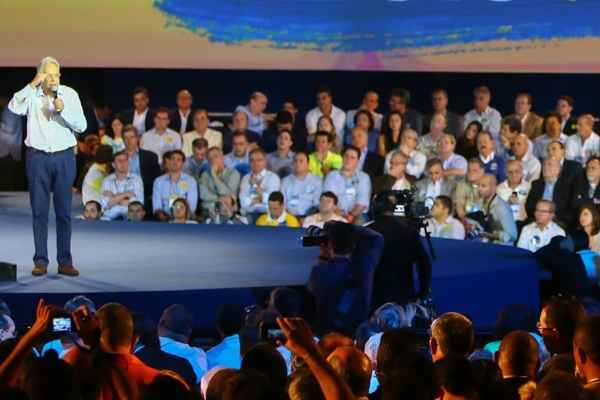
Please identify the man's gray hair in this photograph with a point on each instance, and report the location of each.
(47, 60)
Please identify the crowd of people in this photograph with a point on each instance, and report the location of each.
(271, 352)
(519, 179)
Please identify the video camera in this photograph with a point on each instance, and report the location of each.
(314, 237)
(399, 203)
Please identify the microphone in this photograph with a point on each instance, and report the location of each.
(54, 91)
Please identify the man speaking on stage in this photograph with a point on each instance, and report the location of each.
(54, 116)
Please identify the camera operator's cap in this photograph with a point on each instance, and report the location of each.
(176, 318)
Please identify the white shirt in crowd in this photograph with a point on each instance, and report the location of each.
(213, 137)
(139, 121)
(268, 181)
(540, 145)
(319, 220)
(194, 355)
(505, 192)
(159, 144)
(416, 163)
(490, 119)
(449, 229)
(337, 115)
(532, 168)
(533, 237)
(578, 151)
(48, 130)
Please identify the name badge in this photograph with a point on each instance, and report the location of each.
(350, 191)
(183, 185)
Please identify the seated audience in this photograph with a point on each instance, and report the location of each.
(428, 144)
(488, 117)
(396, 178)
(499, 225)
(229, 322)
(172, 185)
(586, 143)
(181, 212)
(141, 117)
(120, 188)
(521, 151)
(587, 189)
(276, 214)
(518, 359)
(514, 189)
(289, 119)
(254, 110)
(257, 186)
(586, 352)
(452, 335)
(589, 222)
(455, 165)
(239, 123)
(136, 212)
(416, 159)
(161, 139)
(509, 129)
(325, 124)
(552, 186)
(281, 160)
(325, 107)
(181, 118)
(86, 151)
(539, 233)
(442, 224)
(201, 130)
(439, 101)
(568, 121)
(492, 162)
(239, 158)
(553, 134)
(174, 330)
(351, 186)
(196, 163)
(390, 135)
(328, 211)
(466, 144)
(301, 189)
(371, 163)
(92, 210)
(370, 103)
(355, 367)
(323, 159)
(364, 120)
(219, 186)
(434, 184)
(142, 163)
(114, 135)
(531, 122)
(399, 102)
(467, 199)
(91, 188)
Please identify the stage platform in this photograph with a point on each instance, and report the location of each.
(150, 265)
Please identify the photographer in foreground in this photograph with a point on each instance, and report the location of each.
(342, 280)
(403, 250)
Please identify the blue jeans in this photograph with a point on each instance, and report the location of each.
(51, 172)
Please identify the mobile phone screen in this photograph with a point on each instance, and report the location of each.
(61, 324)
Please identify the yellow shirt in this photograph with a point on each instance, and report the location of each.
(332, 161)
(285, 220)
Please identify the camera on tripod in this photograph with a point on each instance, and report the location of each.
(399, 203)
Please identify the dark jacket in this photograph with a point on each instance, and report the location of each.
(150, 170)
(149, 123)
(373, 165)
(175, 121)
(582, 193)
(385, 182)
(454, 123)
(561, 197)
(570, 126)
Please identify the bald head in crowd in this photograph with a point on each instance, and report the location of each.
(518, 355)
(354, 367)
(487, 186)
(452, 334)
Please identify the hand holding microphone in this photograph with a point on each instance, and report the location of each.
(59, 105)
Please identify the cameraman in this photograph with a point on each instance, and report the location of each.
(342, 280)
(403, 249)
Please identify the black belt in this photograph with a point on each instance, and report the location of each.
(34, 150)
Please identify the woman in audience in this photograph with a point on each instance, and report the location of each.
(91, 189)
(364, 119)
(325, 123)
(467, 143)
(114, 135)
(408, 146)
(181, 212)
(589, 222)
(390, 136)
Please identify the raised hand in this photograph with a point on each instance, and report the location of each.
(299, 337)
(38, 79)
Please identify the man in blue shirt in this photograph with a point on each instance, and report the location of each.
(239, 156)
(196, 164)
(256, 186)
(342, 281)
(257, 120)
(54, 116)
(492, 162)
(230, 320)
(173, 185)
(351, 186)
(302, 189)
